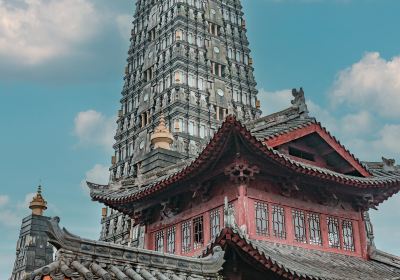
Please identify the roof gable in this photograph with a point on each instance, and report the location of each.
(315, 140)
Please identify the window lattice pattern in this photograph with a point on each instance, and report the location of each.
(333, 232)
(262, 223)
(186, 237)
(215, 223)
(171, 240)
(198, 230)
(278, 221)
(347, 231)
(299, 225)
(314, 227)
(159, 241)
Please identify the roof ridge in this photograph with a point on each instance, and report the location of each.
(63, 239)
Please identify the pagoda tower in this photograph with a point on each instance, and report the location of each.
(188, 67)
(33, 250)
(190, 62)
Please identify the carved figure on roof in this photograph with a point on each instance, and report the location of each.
(388, 164)
(299, 101)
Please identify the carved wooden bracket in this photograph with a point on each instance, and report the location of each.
(240, 171)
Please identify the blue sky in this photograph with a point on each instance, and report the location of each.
(61, 67)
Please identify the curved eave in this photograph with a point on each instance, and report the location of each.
(231, 125)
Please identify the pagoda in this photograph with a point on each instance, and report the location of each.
(204, 187)
(33, 250)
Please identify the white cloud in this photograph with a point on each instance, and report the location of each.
(4, 199)
(93, 128)
(124, 23)
(23, 205)
(372, 84)
(99, 174)
(273, 101)
(33, 31)
(9, 218)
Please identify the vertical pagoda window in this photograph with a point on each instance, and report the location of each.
(214, 223)
(278, 221)
(159, 241)
(314, 227)
(333, 232)
(198, 232)
(347, 230)
(186, 236)
(171, 240)
(299, 224)
(262, 223)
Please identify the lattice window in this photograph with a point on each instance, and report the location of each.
(348, 239)
(186, 236)
(171, 240)
(333, 232)
(198, 232)
(262, 222)
(159, 241)
(278, 221)
(299, 224)
(215, 226)
(314, 228)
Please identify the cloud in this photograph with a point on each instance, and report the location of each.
(4, 199)
(369, 125)
(99, 174)
(34, 31)
(372, 84)
(9, 218)
(273, 101)
(124, 22)
(93, 128)
(57, 42)
(23, 205)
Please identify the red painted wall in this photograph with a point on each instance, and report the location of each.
(243, 198)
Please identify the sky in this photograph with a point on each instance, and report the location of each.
(61, 69)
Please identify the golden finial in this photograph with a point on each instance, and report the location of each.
(161, 137)
(38, 204)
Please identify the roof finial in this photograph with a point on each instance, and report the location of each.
(388, 164)
(161, 137)
(299, 101)
(38, 204)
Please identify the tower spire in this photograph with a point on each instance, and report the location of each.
(195, 71)
(38, 205)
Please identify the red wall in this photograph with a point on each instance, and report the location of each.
(243, 198)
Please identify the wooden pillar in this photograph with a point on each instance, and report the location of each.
(242, 206)
(206, 228)
(178, 239)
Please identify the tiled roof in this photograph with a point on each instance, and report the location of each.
(304, 263)
(279, 123)
(113, 196)
(81, 259)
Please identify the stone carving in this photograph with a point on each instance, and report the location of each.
(168, 209)
(299, 101)
(370, 230)
(388, 164)
(229, 215)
